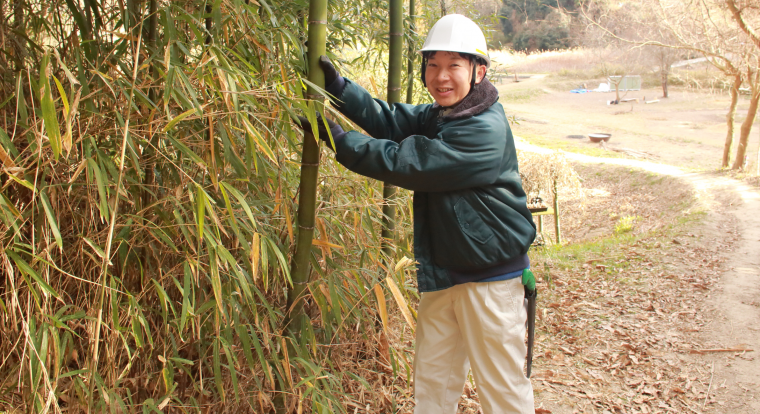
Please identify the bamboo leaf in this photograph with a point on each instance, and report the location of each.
(177, 119)
(163, 300)
(217, 368)
(62, 93)
(231, 368)
(5, 157)
(160, 234)
(96, 248)
(29, 271)
(280, 258)
(381, 307)
(200, 209)
(259, 140)
(187, 151)
(23, 182)
(239, 196)
(323, 243)
(286, 363)
(103, 205)
(255, 256)
(216, 281)
(186, 296)
(401, 302)
(243, 334)
(65, 68)
(230, 211)
(51, 219)
(48, 107)
(288, 222)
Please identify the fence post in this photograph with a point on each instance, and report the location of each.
(556, 213)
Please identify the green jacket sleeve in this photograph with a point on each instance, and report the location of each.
(382, 121)
(465, 153)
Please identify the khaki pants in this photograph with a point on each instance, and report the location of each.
(475, 324)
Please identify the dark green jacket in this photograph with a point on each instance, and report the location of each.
(470, 212)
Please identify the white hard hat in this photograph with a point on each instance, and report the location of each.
(457, 33)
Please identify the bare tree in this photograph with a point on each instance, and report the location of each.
(709, 28)
(746, 14)
(611, 26)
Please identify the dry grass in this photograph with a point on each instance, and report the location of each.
(615, 195)
(540, 172)
(546, 62)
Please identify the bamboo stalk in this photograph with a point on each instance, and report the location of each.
(18, 20)
(396, 9)
(410, 56)
(145, 195)
(307, 199)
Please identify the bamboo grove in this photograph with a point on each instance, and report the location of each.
(148, 214)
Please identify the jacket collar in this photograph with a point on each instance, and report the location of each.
(480, 98)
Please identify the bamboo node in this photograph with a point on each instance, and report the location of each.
(309, 164)
(317, 21)
(395, 88)
(306, 227)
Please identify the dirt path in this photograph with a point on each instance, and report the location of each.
(731, 309)
(737, 301)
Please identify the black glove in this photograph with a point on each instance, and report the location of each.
(337, 132)
(331, 74)
(334, 83)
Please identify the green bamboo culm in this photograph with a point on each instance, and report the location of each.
(410, 55)
(396, 39)
(307, 199)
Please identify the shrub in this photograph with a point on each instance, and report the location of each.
(625, 224)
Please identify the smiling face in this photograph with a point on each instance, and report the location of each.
(448, 77)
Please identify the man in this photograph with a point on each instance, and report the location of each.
(472, 227)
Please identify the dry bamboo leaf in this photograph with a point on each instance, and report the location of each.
(255, 256)
(286, 363)
(381, 307)
(404, 262)
(401, 302)
(6, 159)
(326, 293)
(212, 153)
(288, 222)
(326, 244)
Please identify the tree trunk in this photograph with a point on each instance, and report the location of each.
(396, 11)
(307, 199)
(730, 120)
(664, 72)
(757, 161)
(741, 150)
(411, 54)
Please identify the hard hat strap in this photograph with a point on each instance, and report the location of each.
(474, 75)
(422, 71)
